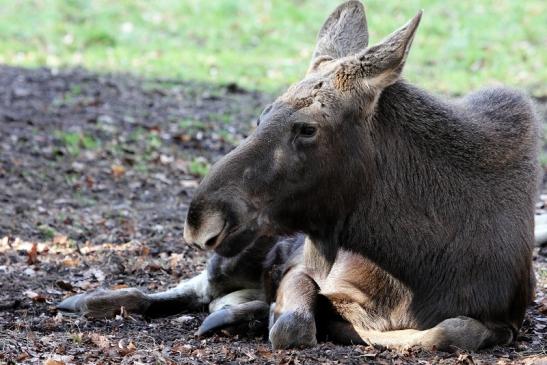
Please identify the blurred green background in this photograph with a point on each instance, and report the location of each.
(266, 45)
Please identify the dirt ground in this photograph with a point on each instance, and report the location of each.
(96, 172)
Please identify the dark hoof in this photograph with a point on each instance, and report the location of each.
(249, 318)
(75, 303)
(293, 330)
(216, 321)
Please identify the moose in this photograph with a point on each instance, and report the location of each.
(410, 218)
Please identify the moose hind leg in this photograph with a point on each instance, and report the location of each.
(466, 333)
(106, 303)
(454, 333)
(192, 294)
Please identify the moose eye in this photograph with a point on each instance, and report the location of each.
(308, 130)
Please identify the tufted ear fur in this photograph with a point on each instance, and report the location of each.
(380, 65)
(343, 33)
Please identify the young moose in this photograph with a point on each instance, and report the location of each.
(418, 213)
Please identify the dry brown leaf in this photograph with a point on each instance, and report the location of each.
(40, 298)
(89, 182)
(22, 356)
(71, 262)
(60, 239)
(119, 286)
(123, 312)
(118, 170)
(126, 348)
(53, 362)
(153, 266)
(183, 137)
(32, 255)
(145, 251)
(542, 308)
(264, 351)
(182, 348)
(100, 340)
(465, 359)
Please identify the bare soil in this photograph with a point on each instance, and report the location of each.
(96, 172)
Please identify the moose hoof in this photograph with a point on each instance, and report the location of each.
(292, 330)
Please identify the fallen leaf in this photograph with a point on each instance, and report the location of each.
(264, 351)
(183, 319)
(58, 319)
(100, 340)
(145, 251)
(118, 170)
(60, 239)
(89, 182)
(542, 308)
(22, 356)
(32, 255)
(465, 359)
(71, 262)
(184, 138)
(181, 348)
(126, 347)
(119, 286)
(98, 274)
(154, 266)
(53, 362)
(123, 312)
(40, 298)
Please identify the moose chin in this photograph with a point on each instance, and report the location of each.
(411, 216)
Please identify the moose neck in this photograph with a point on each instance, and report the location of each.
(399, 222)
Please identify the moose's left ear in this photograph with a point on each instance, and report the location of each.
(382, 64)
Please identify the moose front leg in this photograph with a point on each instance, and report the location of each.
(292, 316)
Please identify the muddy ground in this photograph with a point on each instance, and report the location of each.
(96, 172)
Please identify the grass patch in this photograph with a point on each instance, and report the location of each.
(199, 166)
(46, 231)
(74, 142)
(267, 45)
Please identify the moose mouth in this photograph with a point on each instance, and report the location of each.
(232, 240)
(216, 233)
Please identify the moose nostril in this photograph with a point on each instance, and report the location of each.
(211, 241)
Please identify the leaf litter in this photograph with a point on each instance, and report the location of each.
(95, 188)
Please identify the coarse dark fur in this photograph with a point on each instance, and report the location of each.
(418, 211)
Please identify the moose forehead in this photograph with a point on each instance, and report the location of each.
(316, 87)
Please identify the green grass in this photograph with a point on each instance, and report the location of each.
(74, 142)
(461, 44)
(199, 166)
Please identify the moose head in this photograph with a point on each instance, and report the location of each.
(312, 151)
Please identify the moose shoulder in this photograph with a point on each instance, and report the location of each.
(418, 211)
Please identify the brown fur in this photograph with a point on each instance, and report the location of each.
(418, 211)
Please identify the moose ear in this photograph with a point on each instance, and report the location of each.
(344, 33)
(380, 65)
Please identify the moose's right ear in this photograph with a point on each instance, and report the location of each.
(344, 33)
(380, 65)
